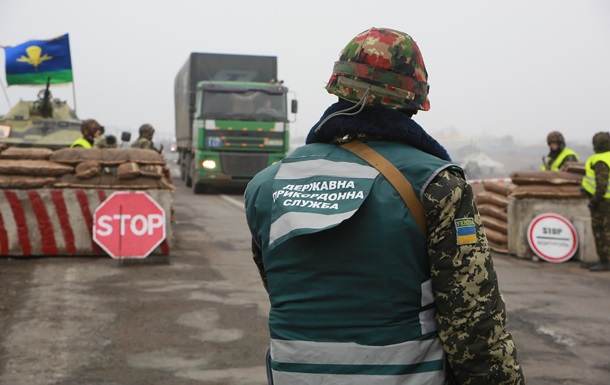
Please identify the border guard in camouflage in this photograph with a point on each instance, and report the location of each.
(146, 132)
(559, 154)
(596, 185)
(359, 293)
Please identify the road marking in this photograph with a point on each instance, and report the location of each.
(234, 202)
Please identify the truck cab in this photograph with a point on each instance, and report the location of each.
(237, 123)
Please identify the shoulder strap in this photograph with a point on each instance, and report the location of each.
(395, 177)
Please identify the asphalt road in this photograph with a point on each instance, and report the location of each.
(199, 315)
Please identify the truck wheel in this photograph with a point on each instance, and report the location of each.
(182, 163)
(199, 188)
(188, 179)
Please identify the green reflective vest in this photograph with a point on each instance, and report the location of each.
(347, 268)
(588, 181)
(559, 160)
(81, 142)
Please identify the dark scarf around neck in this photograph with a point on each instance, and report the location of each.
(376, 121)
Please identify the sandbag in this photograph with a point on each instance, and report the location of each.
(145, 156)
(496, 237)
(495, 224)
(24, 182)
(501, 188)
(152, 171)
(545, 177)
(492, 198)
(493, 211)
(128, 170)
(33, 167)
(87, 169)
(26, 153)
(548, 192)
(104, 181)
(74, 156)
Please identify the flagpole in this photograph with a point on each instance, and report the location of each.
(74, 95)
(6, 95)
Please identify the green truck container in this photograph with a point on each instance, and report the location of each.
(232, 118)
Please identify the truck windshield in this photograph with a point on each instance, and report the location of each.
(250, 105)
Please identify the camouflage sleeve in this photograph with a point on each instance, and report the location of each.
(601, 180)
(568, 159)
(257, 255)
(471, 315)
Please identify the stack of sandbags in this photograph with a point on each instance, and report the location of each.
(547, 184)
(28, 168)
(493, 205)
(133, 168)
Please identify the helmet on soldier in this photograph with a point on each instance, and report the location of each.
(147, 131)
(386, 62)
(89, 127)
(601, 142)
(555, 137)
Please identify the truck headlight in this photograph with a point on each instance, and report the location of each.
(209, 164)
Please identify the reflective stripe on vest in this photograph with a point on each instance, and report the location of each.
(82, 142)
(588, 181)
(307, 362)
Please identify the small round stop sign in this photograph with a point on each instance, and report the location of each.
(129, 225)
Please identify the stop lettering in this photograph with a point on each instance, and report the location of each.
(129, 225)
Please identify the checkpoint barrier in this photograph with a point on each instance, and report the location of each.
(59, 222)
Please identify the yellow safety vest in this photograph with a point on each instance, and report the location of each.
(81, 142)
(588, 181)
(557, 162)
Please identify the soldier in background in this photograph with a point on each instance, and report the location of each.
(145, 139)
(90, 129)
(596, 186)
(361, 291)
(107, 142)
(559, 154)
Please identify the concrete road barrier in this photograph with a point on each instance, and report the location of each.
(59, 222)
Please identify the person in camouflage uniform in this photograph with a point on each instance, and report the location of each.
(596, 186)
(353, 266)
(559, 154)
(145, 139)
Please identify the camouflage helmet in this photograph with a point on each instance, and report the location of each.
(147, 130)
(555, 137)
(386, 61)
(89, 127)
(601, 142)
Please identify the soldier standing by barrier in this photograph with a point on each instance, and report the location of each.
(559, 154)
(90, 129)
(596, 185)
(366, 287)
(145, 140)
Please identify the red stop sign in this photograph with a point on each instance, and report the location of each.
(129, 225)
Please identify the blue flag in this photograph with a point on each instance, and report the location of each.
(35, 61)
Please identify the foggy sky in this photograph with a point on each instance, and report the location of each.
(496, 68)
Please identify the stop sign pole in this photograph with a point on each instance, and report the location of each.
(129, 224)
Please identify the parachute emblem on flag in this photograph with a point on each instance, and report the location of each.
(34, 57)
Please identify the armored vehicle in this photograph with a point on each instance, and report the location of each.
(46, 122)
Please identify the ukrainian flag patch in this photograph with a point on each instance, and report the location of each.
(466, 231)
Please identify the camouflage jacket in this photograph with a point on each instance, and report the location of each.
(470, 311)
(142, 142)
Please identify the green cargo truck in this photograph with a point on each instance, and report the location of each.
(232, 118)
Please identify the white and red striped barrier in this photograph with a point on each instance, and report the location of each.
(46, 222)
(495, 180)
